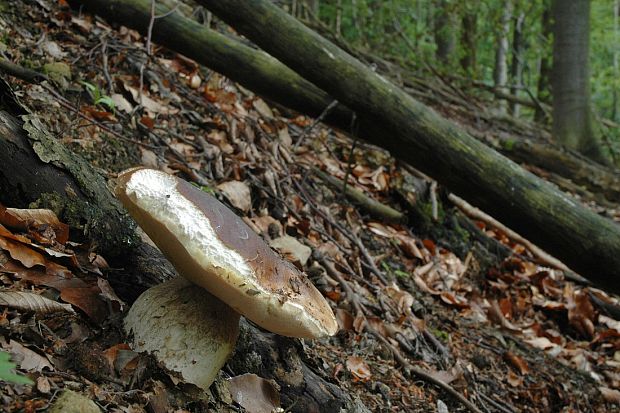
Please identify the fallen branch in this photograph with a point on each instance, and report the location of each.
(373, 207)
(542, 257)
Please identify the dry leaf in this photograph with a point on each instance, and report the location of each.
(517, 362)
(238, 194)
(358, 368)
(254, 393)
(610, 395)
(19, 252)
(292, 249)
(32, 302)
(262, 108)
(25, 358)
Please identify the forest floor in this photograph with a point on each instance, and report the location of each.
(511, 334)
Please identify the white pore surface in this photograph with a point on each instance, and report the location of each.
(155, 192)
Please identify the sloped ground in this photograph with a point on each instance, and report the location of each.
(515, 337)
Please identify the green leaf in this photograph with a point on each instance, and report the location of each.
(5, 370)
(106, 101)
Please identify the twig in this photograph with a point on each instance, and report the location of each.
(541, 255)
(375, 208)
(20, 72)
(315, 122)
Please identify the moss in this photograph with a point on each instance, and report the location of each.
(444, 336)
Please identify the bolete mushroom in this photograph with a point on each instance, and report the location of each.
(190, 331)
(212, 247)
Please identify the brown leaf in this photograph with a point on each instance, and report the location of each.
(518, 363)
(345, 319)
(403, 299)
(292, 250)
(610, 395)
(27, 218)
(514, 379)
(254, 393)
(88, 300)
(496, 316)
(581, 314)
(27, 256)
(358, 368)
(32, 302)
(238, 193)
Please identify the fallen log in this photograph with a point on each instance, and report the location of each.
(469, 168)
(266, 76)
(585, 241)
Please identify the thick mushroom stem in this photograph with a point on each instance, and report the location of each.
(188, 330)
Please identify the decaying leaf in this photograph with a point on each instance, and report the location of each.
(358, 368)
(32, 302)
(254, 393)
(237, 193)
(292, 249)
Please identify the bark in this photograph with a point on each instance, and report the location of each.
(79, 192)
(500, 70)
(572, 118)
(36, 169)
(445, 36)
(585, 241)
(469, 24)
(543, 88)
(516, 65)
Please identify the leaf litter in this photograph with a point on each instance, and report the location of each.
(519, 335)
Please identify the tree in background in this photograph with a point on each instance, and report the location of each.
(445, 33)
(500, 71)
(518, 49)
(505, 44)
(543, 88)
(572, 117)
(469, 33)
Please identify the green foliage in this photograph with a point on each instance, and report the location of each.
(206, 189)
(443, 336)
(6, 373)
(98, 96)
(405, 30)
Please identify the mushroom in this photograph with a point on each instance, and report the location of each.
(213, 248)
(189, 330)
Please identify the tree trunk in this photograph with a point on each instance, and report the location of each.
(391, 118)
(516, 66)
(572, 118)
(445, 36)
(469, 24)
(34, 167)
(543, 88)
(500, 71)
(614, 104)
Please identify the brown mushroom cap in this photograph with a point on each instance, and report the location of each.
(212, 247)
